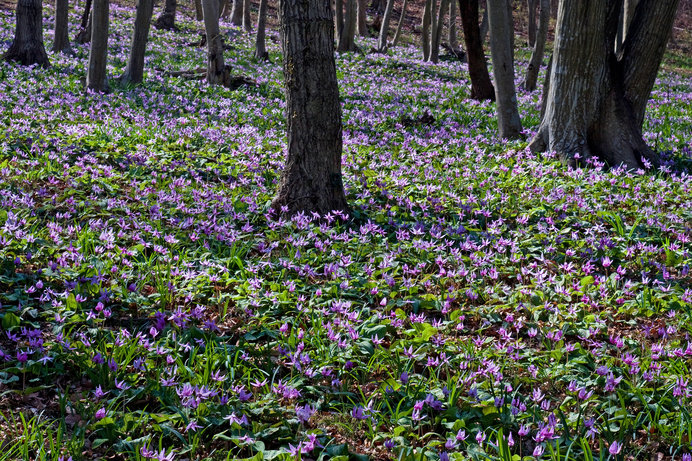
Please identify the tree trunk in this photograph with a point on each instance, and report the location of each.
(437, 32)
(311, 180)
(338, 19)
(596, 101)
(97, 78)
(508, 120)
(247, 16)
(538, 48)
(481, 86)
(260, 47)
(452, 29)
(61, 39)
(27, 46)
(348, 34)
(399, 26)
(484, 26)
(384, 28)
(425, 27)
(215, 64)
(199, 12)
(363, 18)
(134, 72)
(166, 19)
(84, 34)
(237, 13)
(628, 8)
(532, 4)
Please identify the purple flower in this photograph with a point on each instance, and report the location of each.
(614, 448)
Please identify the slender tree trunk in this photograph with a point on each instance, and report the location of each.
(452, 29)
(484, 26)
(166, 19)
(399, 26)
(134, 72)
(199, 12)
(338, 19)
(247, 15)
(85, 15)
(260, 48)
(311, 180)
(215, 64)
(437, 32)
(237, 13)
(425, 27)
(97, 77)
(84, 34)
(532, 4)
(384, 28)
(363, 18)
(508, 120)
(27, 46)
(538, 48)
(596, 101)
(347, 38)
(61, 40)
(481, 86)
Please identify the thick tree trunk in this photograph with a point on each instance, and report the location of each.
(452, 29)
(61, 39)
(425, 27)
(97, 78)
(166, 19)
(215, 64)
(508, 120)
(538, 48)
(247, 16)
(199, 12)
(481, 86)
(384, 28)
(134, 72)
(348, 33)
(27, 46)
(532, 4)
(260, 47)
(399, 26)
(363, 18)
(595, 103)
(311, 180)
(237, 13)
(436, 35)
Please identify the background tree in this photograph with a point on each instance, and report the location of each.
(247, 16)
(27, 46)
(311, 179)
(166, 19)
(97, 78)
(134, 72)
(384, 27)
(61, 39)
(199, 12)
(237, 13)
(532, 5)
(481, 86)
(426, 23)
(595, 101)
(436, 31)
(400, 25)
(501, 28)
(452, 28)
(536, 60)
(348, 33)
(216, 68)
(84, 34)
(260, 46)
(363, 18)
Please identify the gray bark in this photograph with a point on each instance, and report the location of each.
(532, 4)
(27, 46)
(452, 29)
(84, 34)
(425, 26)
(311, 180)
(363, 18)
(61, 39)
(485, 26)
(348, 33)
(260, 47)
(384, 28)
(399, 26)
(436, 34)
(596, 101)
(215, 64)
(166, 19)
(97, 78)
(134, 72)
(247, 16)
(237, 13)
(538, 48)
(338, 19)
(508, 119)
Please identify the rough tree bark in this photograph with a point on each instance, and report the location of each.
(399, 26)
(596, 100)
(481, 86)
(247, 16)
(84, 34)
(311, 180)
(97, 77)
(384, 27)
(27, 46)
(508, 120)
(529, 83)
(215, 64)
(532, 4)
(348, 33)
(260, 46)
(363, 18)
(166, 19)
(61, 39)
(134, 72)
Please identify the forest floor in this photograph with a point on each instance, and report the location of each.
(480, 301)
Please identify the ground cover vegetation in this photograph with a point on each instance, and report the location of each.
(479, 302)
